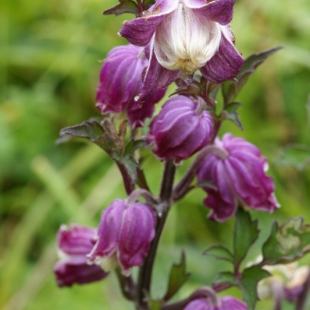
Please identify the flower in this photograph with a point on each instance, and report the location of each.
(187, 35)
(124, 235)
(225, 303)
(74, 243)
(286, 281)
(121, 81)
(237, 170)
(180, 129)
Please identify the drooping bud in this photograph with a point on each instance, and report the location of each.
(180, 129)
(74, 243)
(124, 235)
(121, 81)
(239, 177)
(225, 303)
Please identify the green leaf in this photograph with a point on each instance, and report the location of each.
(129, 164)
(90, 130)
(297, 156)
(134, 145)
(230, 113)
(232, 88)
(225, 277)
(178, 276)
(246, 233)
(125, 6)
(219, 252)
(248, 284)
(155, 304)
(287, 242)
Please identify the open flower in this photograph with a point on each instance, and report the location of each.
(181, 129)
(74, 243)
(121, 81)
(187, 35)
(124, 235)
(237, 170)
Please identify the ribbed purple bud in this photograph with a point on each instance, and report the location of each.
(74, 243)
(226, 303)
(237, 171)
(121, 81)
(124, 235)
(180, 129)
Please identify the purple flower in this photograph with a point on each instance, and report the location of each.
(237, 171)
(74, 243)
(187, 35)
(121, 81)
(180, 129)
(125, 233)
(225, 303)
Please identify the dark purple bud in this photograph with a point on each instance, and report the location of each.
(74, 243)
(121, 81)
(180, 129)
(225, 303)
(239, 176)
(124, 235)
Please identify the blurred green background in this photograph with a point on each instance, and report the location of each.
(50, 57)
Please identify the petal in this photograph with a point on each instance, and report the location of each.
(225, 64)
(231, 303)
(139, 31)
(220, 11)
(156, 78)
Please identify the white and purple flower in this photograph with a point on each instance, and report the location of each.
(186, 35)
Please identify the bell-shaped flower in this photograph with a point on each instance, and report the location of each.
(74, 244)
(186, 35)
(121, 81)
(225, 303)
(237, 170)
(181, 128)
(124, 235)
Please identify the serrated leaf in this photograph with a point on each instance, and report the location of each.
(178, 276)
(225, 277)
(219, 252)
(231, 88)
(248, 284)
(246, 233)
(90, 130)
(287, 242)
(125, 6)
(297, 156)
(230, 113)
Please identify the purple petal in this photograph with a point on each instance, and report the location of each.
(199, 304)
(220, 11)
(157, 78)
(76, 240)
(76, 270)
(231, 303)
(139, 31)
(225, 64)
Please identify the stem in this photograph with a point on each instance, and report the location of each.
(145, 274)
(301, 301)
(183, 186)
(127, 285)
(129, 186)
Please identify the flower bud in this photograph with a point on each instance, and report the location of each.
(239, 177)
(74, 243)
(124, 235)
(180, 129)
(225, 303)
(121, 81)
